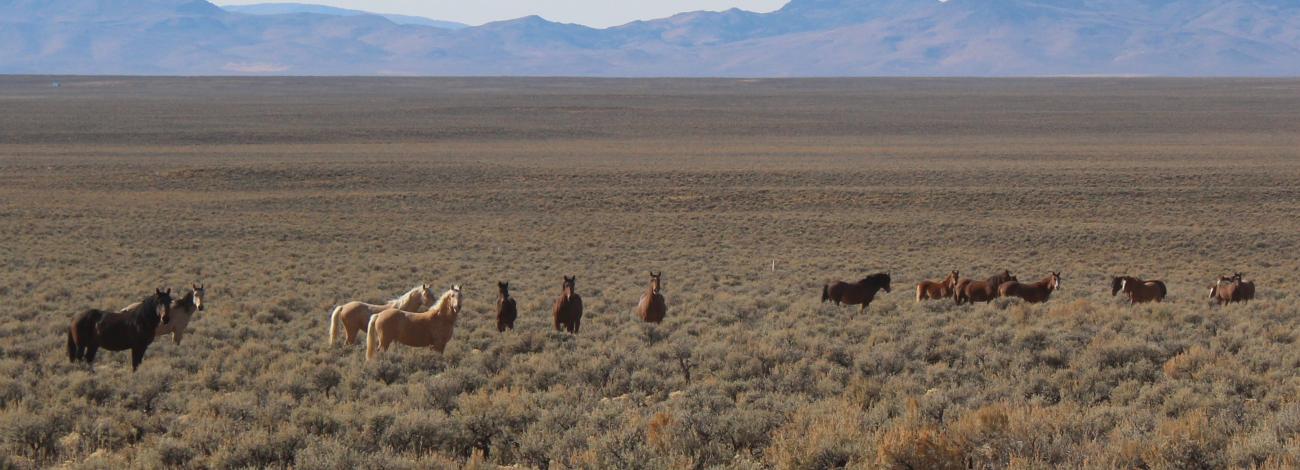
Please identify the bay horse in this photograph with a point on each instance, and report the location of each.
(1037, 292)
(132, 329)
(506, 311)
(652, 308)
(1139, 291)
(981, 291)
(568, 308)
(353, 317)
(938, 290)
(182, 310)
(861, 292)
(431, 328)
(1246, 289)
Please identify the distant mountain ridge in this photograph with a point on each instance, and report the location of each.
(804, 38)
(295, 8)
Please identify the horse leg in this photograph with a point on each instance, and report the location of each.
(176, 337)
(90, 356)
(137, 356)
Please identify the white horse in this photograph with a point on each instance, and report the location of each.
(353, 316)
(430, 328)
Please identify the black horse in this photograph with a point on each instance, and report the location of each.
(133, 329)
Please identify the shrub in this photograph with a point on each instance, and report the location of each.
(825, 434)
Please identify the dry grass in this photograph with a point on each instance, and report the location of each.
(287, 196)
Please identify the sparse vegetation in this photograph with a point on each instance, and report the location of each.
(286, 197)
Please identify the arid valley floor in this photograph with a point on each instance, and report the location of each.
(289, 196)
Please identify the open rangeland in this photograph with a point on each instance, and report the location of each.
(286, 197)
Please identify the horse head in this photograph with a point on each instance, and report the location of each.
(162, 304)
(882, 280)
(1056, 281)
(570, 285)
(1116, 285)
(655, 281)
(199, 292)
(503, 288)
(453, 296)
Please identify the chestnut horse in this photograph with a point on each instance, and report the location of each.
(431, 328)
(1229, 289)
(938, 290)
(568, 308)
(353, 317)
(981, 291)
(506, 311)
(1138, 291)
(132, 329)
(180, 313)
(1037, 292)
(652, 308)
(861, 292)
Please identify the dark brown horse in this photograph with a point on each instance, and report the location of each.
(506, 312)
(568, 308)
(858, 293)
(938, 290)
(981, 291)
(651, 308)
(132, 329)
(1138, 291)
(1037, 292)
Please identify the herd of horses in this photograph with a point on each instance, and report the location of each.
(1226, 290)
(423, 318)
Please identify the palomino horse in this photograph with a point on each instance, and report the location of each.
(353, 316)
(1138, 291)
(1037, 292)
(1229, 289)
(651, 308)
(938, 290)
(506, 311)
(861, 292)
(568, 308)
(981, 291)
(118, 331)
(180, 313)
(431, 328)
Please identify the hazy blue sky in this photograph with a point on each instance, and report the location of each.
(598, 13)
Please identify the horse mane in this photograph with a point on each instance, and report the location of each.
(874, 278)
(439, 308)
(188, 298)
(147, 305)
(404, 298)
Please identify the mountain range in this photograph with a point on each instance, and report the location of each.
(295, 8)
(804, 38)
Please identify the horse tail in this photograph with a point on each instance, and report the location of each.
(334, 322)
(372, 343)
(72, 347)
(1163, 291)
(826, 292)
